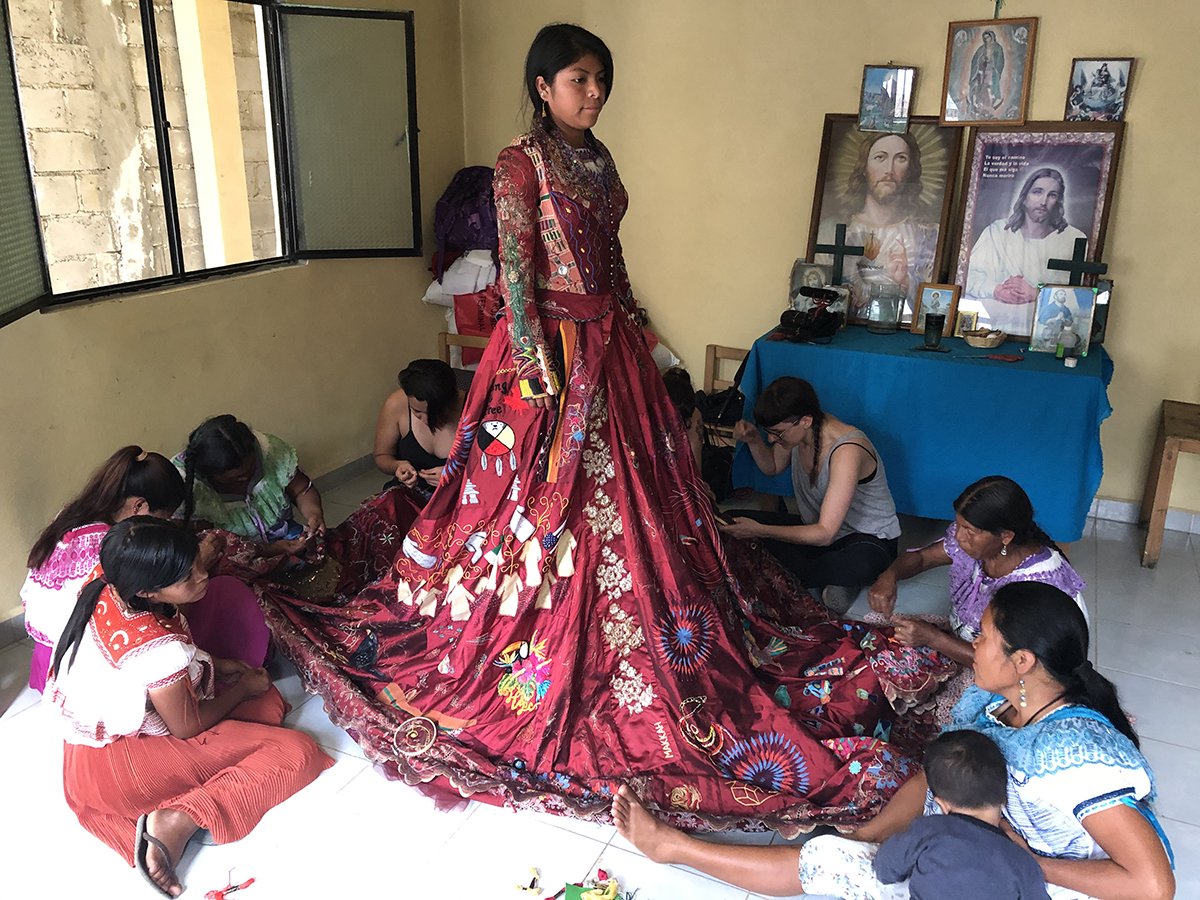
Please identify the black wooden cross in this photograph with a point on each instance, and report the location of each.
(1076, 265)
(839, 249)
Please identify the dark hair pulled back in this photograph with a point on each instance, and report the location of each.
(220, 444)
(554, 48)
(432, 382)
(681, 392)
(138, 555)
(792, 398)
(130, 472)
(995, 504)
(1038, 617)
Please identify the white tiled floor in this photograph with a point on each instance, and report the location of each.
(353, 833)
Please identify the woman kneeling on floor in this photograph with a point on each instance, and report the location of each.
(161, 738)
(847, 530)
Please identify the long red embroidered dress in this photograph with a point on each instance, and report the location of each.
(564, 616)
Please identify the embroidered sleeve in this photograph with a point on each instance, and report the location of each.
(516, 189)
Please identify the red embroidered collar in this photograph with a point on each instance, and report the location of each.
(119, 631)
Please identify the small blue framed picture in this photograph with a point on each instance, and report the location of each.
(886, 97)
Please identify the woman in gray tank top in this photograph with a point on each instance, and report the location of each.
(846, 532)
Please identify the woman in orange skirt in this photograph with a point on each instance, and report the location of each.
(161, 738)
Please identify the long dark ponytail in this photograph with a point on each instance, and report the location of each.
(138, 555)
(792, 398)
(1042, 619)
(130, 472)
(217, 445)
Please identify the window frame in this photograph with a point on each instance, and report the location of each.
(276, 88)
(19, 312)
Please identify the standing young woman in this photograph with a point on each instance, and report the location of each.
(565, 608)
(161, 738)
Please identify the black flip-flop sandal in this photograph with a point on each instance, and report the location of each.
(141, 848)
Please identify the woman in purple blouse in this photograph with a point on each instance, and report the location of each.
(993, 541)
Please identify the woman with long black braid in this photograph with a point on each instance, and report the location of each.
(846, 532)
(163, 739)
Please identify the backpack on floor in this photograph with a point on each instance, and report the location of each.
(465, 215)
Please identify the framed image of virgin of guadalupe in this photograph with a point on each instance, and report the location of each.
(1028, 194)
(892, 192)
(988, 67)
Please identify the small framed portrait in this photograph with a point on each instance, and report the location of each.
(1059, 307)
(988, 66)
(967, 321)
(941, 299)
(805, 275)
(1030, 193)
(885, 98)
(1098, 89)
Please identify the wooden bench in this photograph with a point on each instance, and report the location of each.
(714, 356)
(1178, 432)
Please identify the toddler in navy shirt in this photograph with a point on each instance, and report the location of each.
(963, 853)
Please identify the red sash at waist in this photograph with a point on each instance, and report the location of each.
(572, 306)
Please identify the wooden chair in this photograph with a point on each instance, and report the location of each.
(446, 340)
(1178, 432)
(714, 356)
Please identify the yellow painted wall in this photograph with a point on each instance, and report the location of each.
(307, 352)
(715, 122)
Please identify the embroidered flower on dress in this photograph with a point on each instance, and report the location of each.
(602, 515)
(622, 634)
(612, 578)
(630, 689)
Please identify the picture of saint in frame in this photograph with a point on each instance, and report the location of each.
(1059, 308)
(1031, 193)
(885, 99)
(1098, 89)
(988, 68)
(805, 275)
(892, 192)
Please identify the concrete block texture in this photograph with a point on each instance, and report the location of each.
(46, 64)
(63, 151)
(57, 195)
(68, 236)
(44, 108)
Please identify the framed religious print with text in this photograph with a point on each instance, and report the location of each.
(1029, 193)
(988, 67)
(892, 192)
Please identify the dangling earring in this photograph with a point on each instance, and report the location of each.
(545, 108)
(1024, 700)
(1004, 549)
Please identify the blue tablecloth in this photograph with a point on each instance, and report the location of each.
(942, 420)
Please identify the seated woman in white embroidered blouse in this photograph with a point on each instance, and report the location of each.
(162, 739)
(1080, 793)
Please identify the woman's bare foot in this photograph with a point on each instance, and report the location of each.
(655, 839)
(174, 828)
